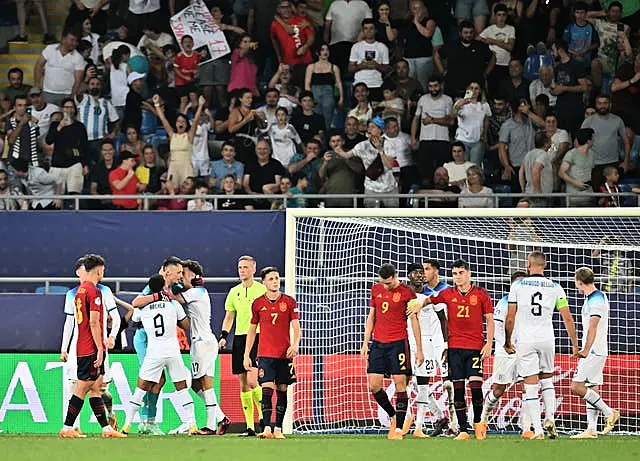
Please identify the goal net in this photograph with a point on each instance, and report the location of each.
(332, 259)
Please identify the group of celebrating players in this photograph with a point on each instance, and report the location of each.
(426, 325)
(175, 297)
(411, 331)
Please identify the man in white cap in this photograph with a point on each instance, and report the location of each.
(135, 102)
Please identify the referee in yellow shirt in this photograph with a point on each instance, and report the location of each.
(238, 308)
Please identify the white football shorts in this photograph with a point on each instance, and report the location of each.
(590, 370)
(152, 368)
(203, 358)
(535, 358)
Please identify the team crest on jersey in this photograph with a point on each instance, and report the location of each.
(454, 300)
(98, 302)
(396, 297)
(81, 290)
(379, 295)
(283, 307)
(473, 300)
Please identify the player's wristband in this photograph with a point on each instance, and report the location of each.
(156, 296)
(224, 334)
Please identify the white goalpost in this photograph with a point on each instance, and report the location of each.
(332, 257)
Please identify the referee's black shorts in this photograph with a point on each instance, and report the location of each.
(237, 354)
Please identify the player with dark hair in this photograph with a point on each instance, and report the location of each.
(275, 313)
(389, 353)
(90, 351)
(467, 308)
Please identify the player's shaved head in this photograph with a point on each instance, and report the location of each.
(517, 275)
(585, 275)
(537, 259)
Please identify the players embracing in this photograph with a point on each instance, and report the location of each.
(389, 353)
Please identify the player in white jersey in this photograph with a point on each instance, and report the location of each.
(204, 346)
(70, 339)
(504, 365)
(593, 355)
(159, 320)
(429, 367)
(532, 301)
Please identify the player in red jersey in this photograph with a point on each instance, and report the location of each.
(389, 353)
(467, 308)
(90, 351)
(276, 313)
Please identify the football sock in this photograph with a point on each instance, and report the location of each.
(73, 410)
(184, 399)
(211, 403)
(256, 393)
(281, 407)
(448, 386)
(108, 401)
(525, 418)
(592, 418)
(134, 404)
(595, 400)
(153, 407)
(383, 400)
(267, 405)
(422, 401)
(490, 402)
(70, 385)
(97, 405)
(548, 392)
(402, 403)
(476, 400)
(144, 413)
(532, 404)
(460, 406)
(247, 408)
(434, 407)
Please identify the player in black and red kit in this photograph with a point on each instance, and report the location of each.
(389, 353)
(90, 350)
(467, 308)
(275, 313)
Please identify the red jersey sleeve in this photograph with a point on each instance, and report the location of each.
(440, 298)
(255, 312)
(487, 304)
(293, 306)
(95, 299)
(373, 296)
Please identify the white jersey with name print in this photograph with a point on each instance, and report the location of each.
(536, 297)
(421, 319)
(198, 306)
(596, 305)
(160, 320)
(109, 303)
(499, 318)
(434, 329)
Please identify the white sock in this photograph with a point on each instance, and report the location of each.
(184, 399)
(548, 391)
(434, 408)
(490, 402)
(453, 418)
(532, 405)
(592, 418)
(211, 402)
(594, 399)
(422, 402)
(134, 405)
(107, 428)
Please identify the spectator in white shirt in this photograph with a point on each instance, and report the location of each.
(369, 60)
(200, 204)
(475, 186)
(473, 114)
(543, 85)
(457, 169)
(341, 28)
(398, 146)
(141, 13)
(59, 69)
(41, 111)
(99, 117)
(501, 38)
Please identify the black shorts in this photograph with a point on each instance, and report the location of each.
(279, 371)
(464, 363)
(184, 90)
(390, 358)
(86, 370)
(237, 353)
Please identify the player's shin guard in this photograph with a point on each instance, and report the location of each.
(97, 405)
(281, 408)
(184, 399)
(256, 393)
(267, 405)
(247, 408)
(548, 392)
(134, 405)
(73, 410)
(108, 401)
(596, 401)
(152, 401)
(402, 404)
(490, 402)
(476, 400)
(532, 405)
(460, 405)
(383, 400)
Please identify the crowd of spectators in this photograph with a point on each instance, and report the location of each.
(456, 97)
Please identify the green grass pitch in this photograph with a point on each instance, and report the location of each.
(14, 447)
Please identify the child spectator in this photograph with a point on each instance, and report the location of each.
(186, 67)
(582, 36)
(610, 187)
(199, 204)
(392, 106)
(284, 138)
(301, 182)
